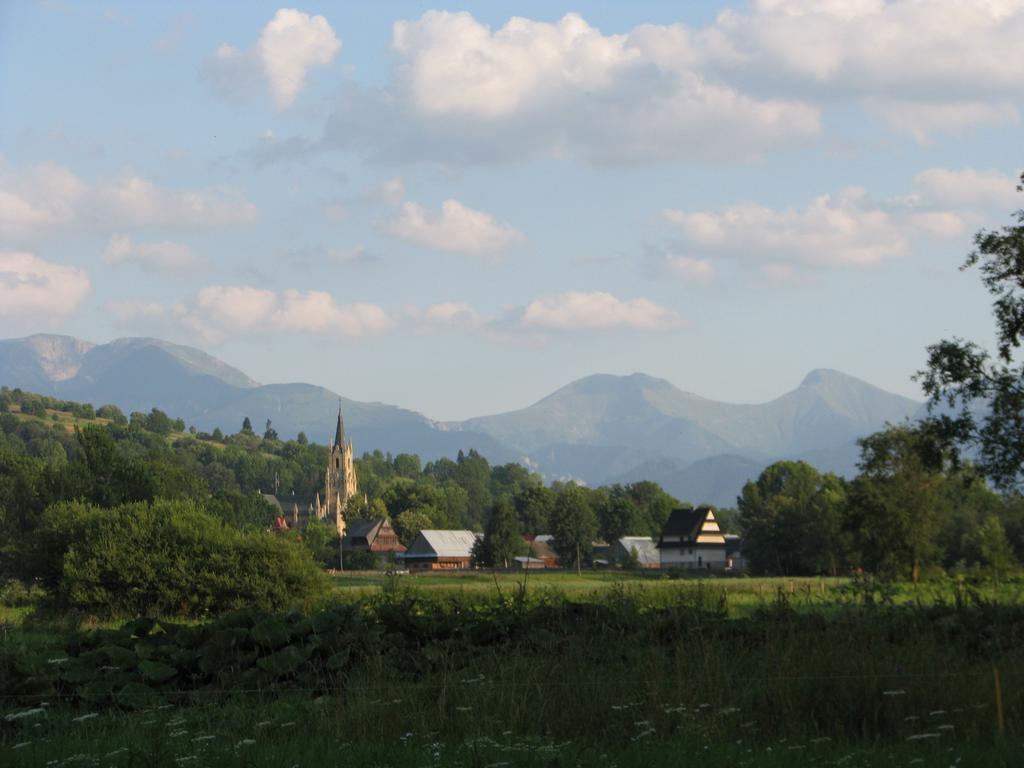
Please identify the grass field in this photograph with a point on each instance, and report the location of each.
(603, 669)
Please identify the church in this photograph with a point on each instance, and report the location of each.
(339, 486)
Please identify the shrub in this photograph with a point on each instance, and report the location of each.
(166, 558)
(361, 560)
(17, 594)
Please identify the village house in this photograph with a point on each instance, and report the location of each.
(692, 539)
(540, 549)
(645, 548)
(440, 550)
(375, 535)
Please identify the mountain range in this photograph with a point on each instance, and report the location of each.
(598, 429)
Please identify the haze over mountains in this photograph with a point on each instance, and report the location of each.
(598, 429)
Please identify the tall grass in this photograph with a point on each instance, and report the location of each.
(628, 671)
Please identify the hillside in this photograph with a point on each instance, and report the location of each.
(598, 429)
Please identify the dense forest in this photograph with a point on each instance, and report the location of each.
(913, 508)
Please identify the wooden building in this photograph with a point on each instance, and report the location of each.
(374, 535)
(440, 550)
(692, 539)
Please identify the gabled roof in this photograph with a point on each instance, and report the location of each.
(646, 548)
(363, 529)
(433, 543)
(285, 502)
(685, 522)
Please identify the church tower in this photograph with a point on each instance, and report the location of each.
(340, 478)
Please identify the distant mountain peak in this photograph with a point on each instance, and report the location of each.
(58, 356)
(828, 376)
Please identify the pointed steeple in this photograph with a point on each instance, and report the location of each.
(339, 432)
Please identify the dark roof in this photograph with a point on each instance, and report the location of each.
(685, 522)
(285, 502)
(361, 529)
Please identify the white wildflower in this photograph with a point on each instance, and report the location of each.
(35, 711)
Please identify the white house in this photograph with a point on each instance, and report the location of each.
(691, 538)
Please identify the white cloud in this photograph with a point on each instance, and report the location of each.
(289, 46)
(925, 65)
(921, 119)
(449, 314)
(577, 310)
(461, 90)
(316, 311)
(50, 197)
(690, 269)
(967, 188)
(33, 287)
(844, 229)
(163, 256)
(455, 228)
(220, 311)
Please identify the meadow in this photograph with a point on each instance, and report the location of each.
(595, 670)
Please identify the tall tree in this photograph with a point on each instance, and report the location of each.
(898, 502)
(976, 400)
(501, 542)
(573, 525)
(792, 520)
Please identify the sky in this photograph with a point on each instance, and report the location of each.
(460, 209)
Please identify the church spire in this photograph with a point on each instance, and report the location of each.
(339, 432)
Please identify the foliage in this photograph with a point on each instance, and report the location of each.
(898, 501)
(501, 542)
(792, 520)
(977, 400)
(573, 525)
(165, 558)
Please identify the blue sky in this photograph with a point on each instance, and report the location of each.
(458, 210)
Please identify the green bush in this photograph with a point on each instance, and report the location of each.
(166, 558)
(18, 594)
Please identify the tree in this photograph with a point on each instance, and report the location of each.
(618, 515)
(246, 426)
(113, 413)
(158, 422)
(533, 506)
(270, 433)
(573, 525)
(897, 503)
(412, 521)
(990, 545)
(301, 439)
(975, 400)
(792, 520)
(501, 542)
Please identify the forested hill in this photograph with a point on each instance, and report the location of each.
(598, 430)
(52, 450)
